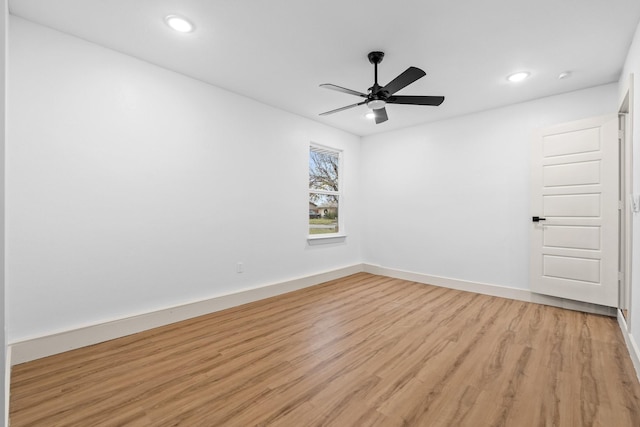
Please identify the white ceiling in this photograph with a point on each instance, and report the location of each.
(279, 51)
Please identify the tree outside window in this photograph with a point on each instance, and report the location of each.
(324, 190)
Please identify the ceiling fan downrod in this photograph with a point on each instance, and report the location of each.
(375, 58)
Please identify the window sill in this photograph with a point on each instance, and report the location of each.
(326, 239)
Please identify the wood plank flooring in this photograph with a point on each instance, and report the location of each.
(361, 351)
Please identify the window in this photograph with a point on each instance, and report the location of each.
(324, 190)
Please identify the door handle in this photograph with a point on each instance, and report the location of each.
(538, 219)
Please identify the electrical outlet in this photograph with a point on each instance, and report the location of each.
(239, 267)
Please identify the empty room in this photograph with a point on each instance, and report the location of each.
(288, 213)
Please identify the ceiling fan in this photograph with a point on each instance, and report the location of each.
(379, 96)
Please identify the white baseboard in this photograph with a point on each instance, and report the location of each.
(493, 290)
(36, 348)
(7, 385)
(632, 346)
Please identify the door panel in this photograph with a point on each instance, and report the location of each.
(571, 205)
(581, 269)
(564, 236)
(572, 142)
(582, 173)
(574, 248)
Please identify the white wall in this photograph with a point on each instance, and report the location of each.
(632, 65)
(131, 188)
(451, 198)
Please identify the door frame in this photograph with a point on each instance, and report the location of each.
(625, 111)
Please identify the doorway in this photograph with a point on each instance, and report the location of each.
(628, 205)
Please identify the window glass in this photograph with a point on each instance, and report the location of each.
(323, 170)
(324, 190)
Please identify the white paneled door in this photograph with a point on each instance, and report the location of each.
(574, 211)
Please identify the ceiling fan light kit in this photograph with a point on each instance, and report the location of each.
(379, 96)
(376, 104)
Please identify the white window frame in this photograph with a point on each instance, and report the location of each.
(340, 235)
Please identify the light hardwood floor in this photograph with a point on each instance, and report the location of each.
(361, 351)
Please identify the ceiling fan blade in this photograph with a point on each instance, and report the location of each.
(343, 108)
(409, 76)
(380, 115)
(343, 89)
(415, 100)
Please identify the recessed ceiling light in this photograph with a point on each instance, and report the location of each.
(179, 23)
(519, 76)
(564, 75)
(370, 115)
